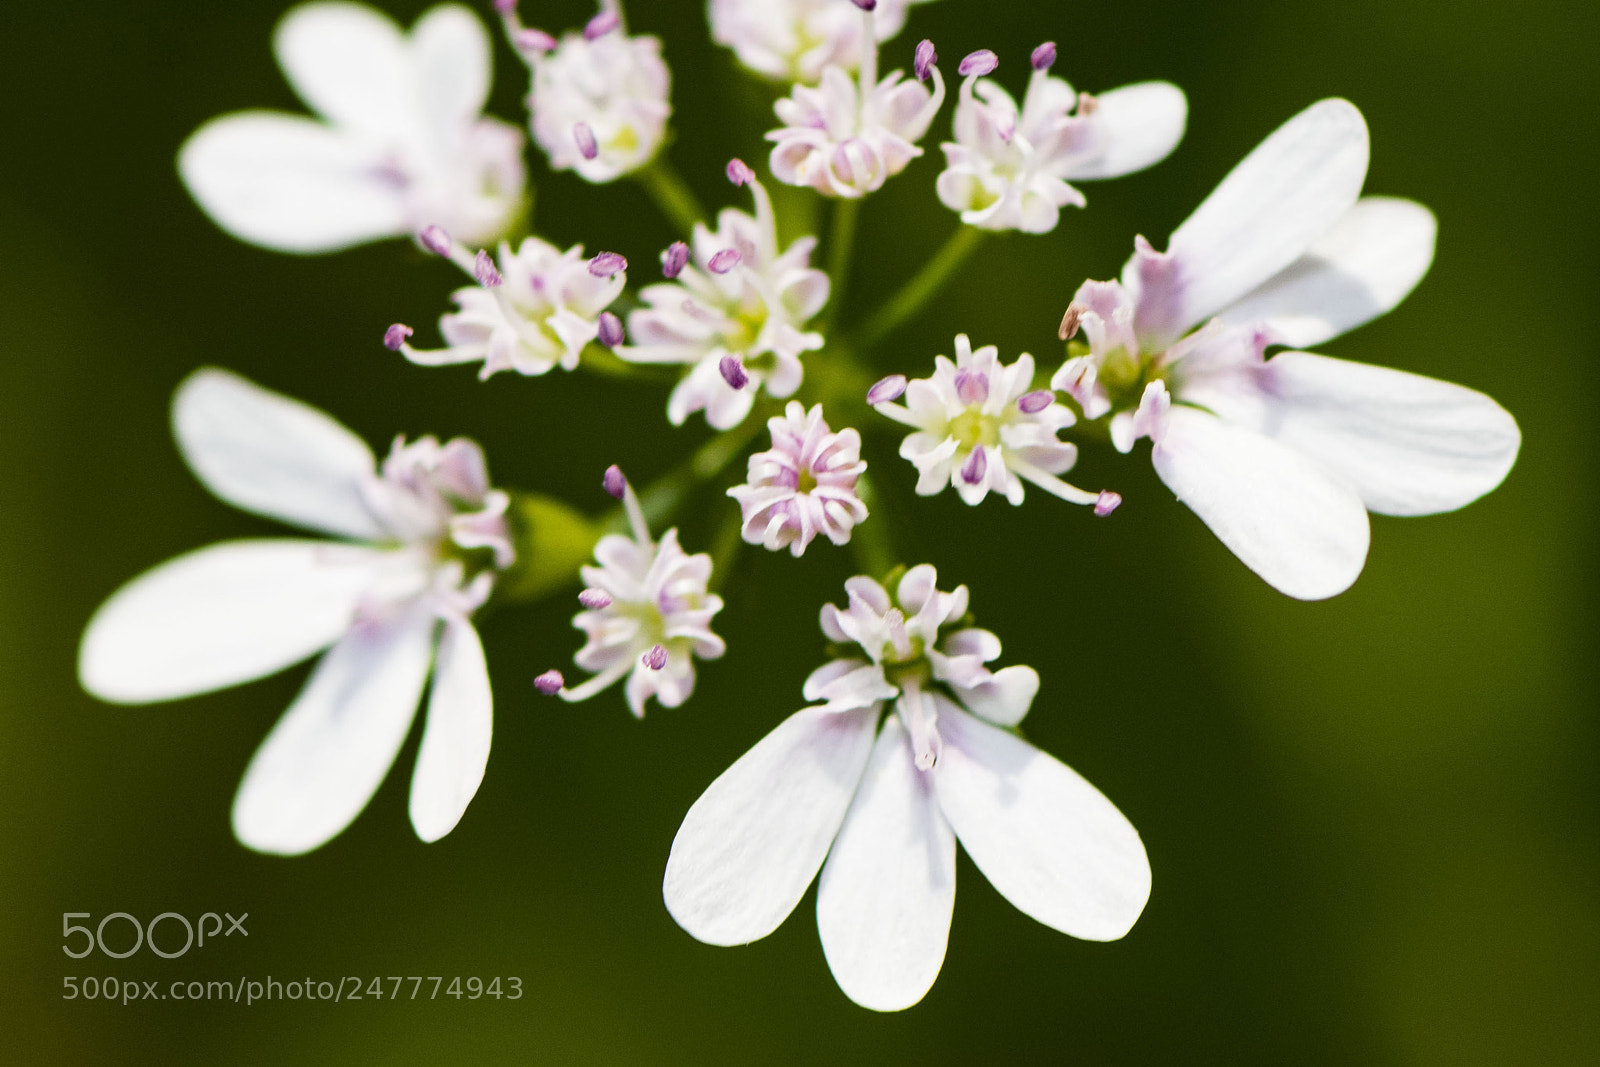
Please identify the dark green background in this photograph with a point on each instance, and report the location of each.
(1372, 822)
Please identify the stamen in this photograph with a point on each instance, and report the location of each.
(483, 269)
(972, 386)
(739, 172)
(1044, 56)
(866, 5)
(614, 481)
(1087, 105)
(886, 389)
(724, 261)
(656, 658)
(584, 136)
(394, 338)
(606, 264)
(1070, 321)
(550, 683)
(895, 619)
(976, 466)
(733, 372)
(925, 58)
(925, 742)
(611, 333)
(1035, 402)
(506, 7)
(535, 41)
(1107, 503)
(601, 25)
(435, 240)
(594, 599)
(674, 259)
(978, 63)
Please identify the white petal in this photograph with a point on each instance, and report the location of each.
(1409, 445)
(350, 63)
(1004, 699)
(291, 184)
(1143, 123)
(455, 741)
(450, 53)
(1360, 269)
(326, 757)
(889, 886)
(1300, 528)
(221, 616)
(1285, 194)
(1045, 838)
(266, 453)
(754, 840)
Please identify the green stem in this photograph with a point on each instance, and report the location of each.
(662, 498)
(922, 287)
(725, 548)
(675, 199)
(841, 243)
(871, 542)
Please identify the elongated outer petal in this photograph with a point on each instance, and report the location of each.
(1409, 445)
(1143, 124)
(349, 63)
(1371, 259)
(291, 184)
(455, 741)
(326, 757)
(1270, 208)
(222, 615)
(263, 452)
(1045, 838)
(889, 887)
(755, 839)
(1298, 526)
(450, 53)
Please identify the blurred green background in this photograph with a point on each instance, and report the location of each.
(1373, 822)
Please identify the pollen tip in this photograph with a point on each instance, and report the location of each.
(583, 135)
(724, 261)
(886, 389)
(611, 332)
(674, 259)
(606, 264)
(549, 683)
(601, 25)
(394, 338)
(435, 239)
(1070, 321)
(733, 372)
(1044, 57)
(978, 63)
(739, 172)
(656, 658)
(594, 599)
(484, 270)
(924, 59)
(615, 482)
(1107, 503)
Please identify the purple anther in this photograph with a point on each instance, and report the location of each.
(614, 482)
(656, 658)
(606, 264)
(1035, 402)
(866, 5)
(435, 240)
(549, 683)
(594, 599)
(1044, 56)
(505, 7)
(584, 136)
(674, 259)
(529, 40)
(976, 466)
(724, 261)
(886, 389)
(394, 338)
(1107, 503)
(978, 63)
(483, 269)
(1070, 321)
(611, 333)
(601, 25)
(924, 60)
(972, 387)
(739, 172)
(733, 372)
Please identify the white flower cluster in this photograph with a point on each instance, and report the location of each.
(907, 747)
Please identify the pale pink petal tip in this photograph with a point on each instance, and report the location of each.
(614, 482)
(1107, 503)
(394, 338)
(549, 683)
(606, 264)
(1035, 402)
(484, 270)
(601, 25)
(924, 60)
(733, 372)
(1044, 56)
(611, 333)
(979, 63)
(887, 389)
(583, 135)
(724, 261)
(594, 599)
(656, 658)
(972, 387)
(435, 240)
